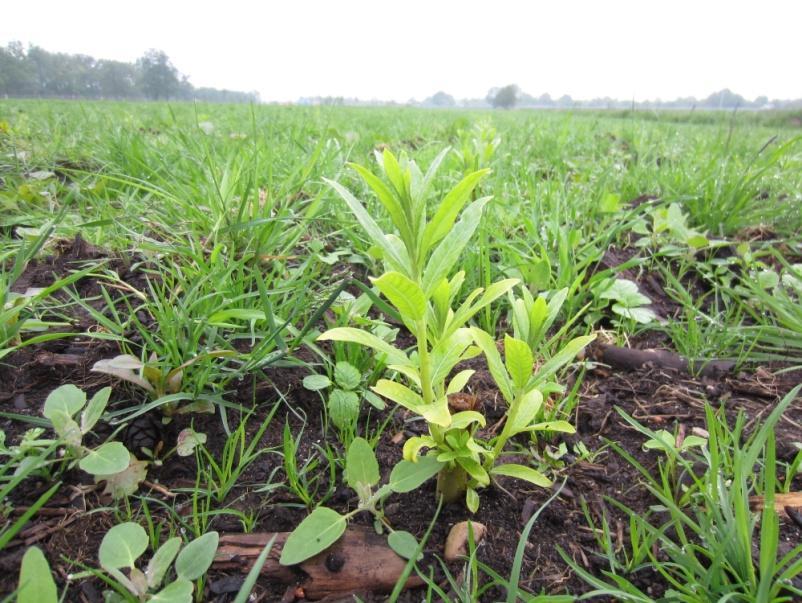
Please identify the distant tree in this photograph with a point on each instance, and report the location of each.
(116, 79)
(724, 99)
(504, 98)
(159, 78)
(17, 74)
(440, 99)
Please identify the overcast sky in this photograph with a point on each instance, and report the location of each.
(406, 49)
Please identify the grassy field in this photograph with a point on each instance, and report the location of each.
(582, 330)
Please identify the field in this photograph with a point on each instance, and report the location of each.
(581, 330)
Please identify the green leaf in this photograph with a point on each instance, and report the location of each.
(36, 584)
(361, 466)
(626, 293)
(522, 472)
(472, 500)
(122, 546)
(65, 400)
(519, 360)
(107, 459)
(494, 364)
(316, 382)
(178, 591)
(639, 315)
(415, 444)
(388, 199)
(561, 358)
(459, 381)
(443, 219)
(195, 558)
(523, 412)
(462, 419)
(492, 293)
(437, 412)
(561, 426)
(161, 560)
(404, 294)
(322, 528)
(448, 251)
(474, 469)
(400, 394)
(374, 400)
(404, 544)
(349, 334)
(343, 408)
(372, 229)
(407, 476)
(347, 375)
(94, 410)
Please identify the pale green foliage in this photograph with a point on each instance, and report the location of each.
(324, 526)
(36, 584)
(125, 543)
(61, 409)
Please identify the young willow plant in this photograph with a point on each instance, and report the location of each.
(417, 282)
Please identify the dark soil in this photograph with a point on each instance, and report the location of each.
(73, 522)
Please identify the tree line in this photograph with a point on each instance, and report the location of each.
(35, 72)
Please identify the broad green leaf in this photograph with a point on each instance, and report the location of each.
(518, 360)
(122, 546)
(407, 475)
(343, 408)
(400, 394)
(346, 375)
(410, 372)
(316, 382)
(65, 400)
(488, 346)
(94, 410)
(161, 560)
(472, 500)
(522, 472)
(462, 419)
(459, 381)
(349, 334)
(195, 558)
(640, 315)
(178, 591)
(404, 294)
(447, 353)
(404, 544)
(413, 446)
(626, 293)
(36, 584)
(524, 411)
(446, 254)
(561, 426)
(67, 429)
(107, 459)
(361, 466)
(474, 470)
(443, 219)
(437, 412)
(374, 400)
(393, 172)
(322, 528)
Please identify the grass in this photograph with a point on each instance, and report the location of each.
(241, 255)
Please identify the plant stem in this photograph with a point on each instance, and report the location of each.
(423, 357)
(452, 482)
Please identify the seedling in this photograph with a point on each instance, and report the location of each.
(125, 543)
(324, 526)
(61, 409)
(344, 397)
(628, 301)
(419, 260)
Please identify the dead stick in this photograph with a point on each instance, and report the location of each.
(359, 561)
(631, 359)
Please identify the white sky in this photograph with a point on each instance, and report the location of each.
(413, 48)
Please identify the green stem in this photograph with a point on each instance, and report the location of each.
(452, 482)
(423, 358)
